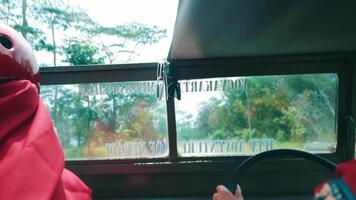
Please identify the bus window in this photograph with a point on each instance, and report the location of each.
(247, 115)
(114, 120)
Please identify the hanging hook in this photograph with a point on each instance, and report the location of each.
(159, 79)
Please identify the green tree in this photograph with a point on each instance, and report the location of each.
(70, 105)
(78, 52)
(74, 115)
(58, 15)
(296, 108)
(7, 11)
(314, 100)
(125, 39)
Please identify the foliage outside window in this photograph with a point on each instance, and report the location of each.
(60, 31)
(108, 120)
(247, 115)
(216, 117)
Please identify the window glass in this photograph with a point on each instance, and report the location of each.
(108, 120)
(247, 115)
(83, 32)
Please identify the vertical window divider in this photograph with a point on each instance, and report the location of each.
(172, 130)
(172, 90)
(345, 122)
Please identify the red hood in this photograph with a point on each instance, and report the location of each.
(31, 157)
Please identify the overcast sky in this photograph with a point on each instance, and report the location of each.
(161, 13)
(113, 12)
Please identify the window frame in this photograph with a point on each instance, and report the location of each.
(198, 176)
(92, 171)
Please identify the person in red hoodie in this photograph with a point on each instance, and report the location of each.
(31, 156)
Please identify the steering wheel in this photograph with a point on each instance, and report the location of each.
(274, 153)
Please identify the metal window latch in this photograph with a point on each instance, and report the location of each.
(160, 80)
(170, 86)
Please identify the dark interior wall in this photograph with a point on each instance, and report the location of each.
(265, 179)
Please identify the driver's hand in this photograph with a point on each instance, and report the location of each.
(222, 193)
